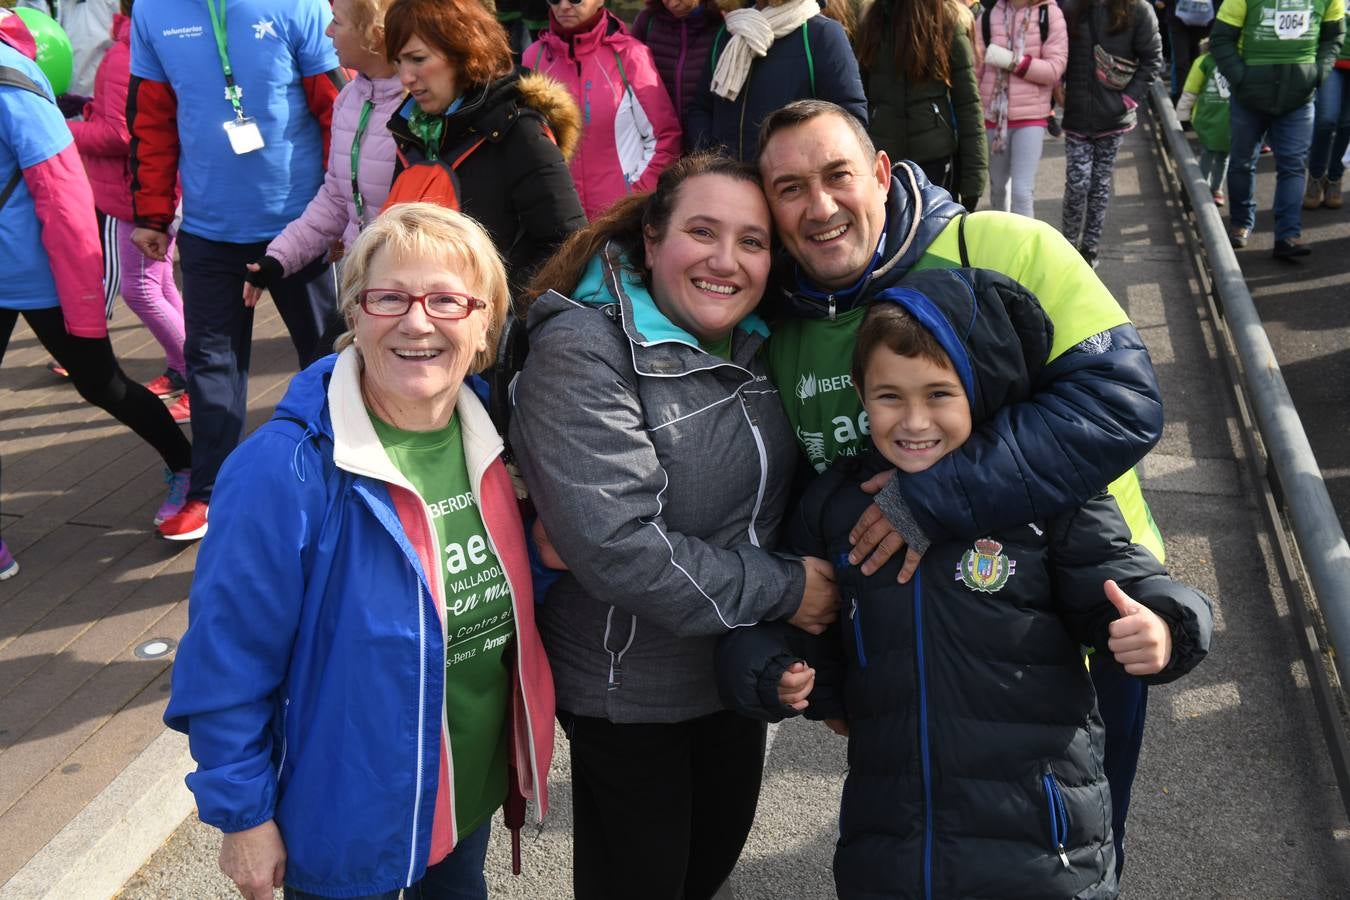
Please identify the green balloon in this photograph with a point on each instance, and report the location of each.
(53, 48)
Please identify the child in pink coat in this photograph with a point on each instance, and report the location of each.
(1020, 69)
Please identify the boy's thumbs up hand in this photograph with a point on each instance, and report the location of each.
(1140, 641)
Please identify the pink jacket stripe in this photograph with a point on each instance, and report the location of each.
(65, 207)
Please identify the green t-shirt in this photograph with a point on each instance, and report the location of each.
(1280, 32)
(1210, 116)
(479, 624)
(811, 362)
(720, 348)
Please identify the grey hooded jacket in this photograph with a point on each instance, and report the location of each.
(661, 474)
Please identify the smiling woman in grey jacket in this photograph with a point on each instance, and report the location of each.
(659, 459)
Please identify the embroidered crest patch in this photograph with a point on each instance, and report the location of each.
(985, 568)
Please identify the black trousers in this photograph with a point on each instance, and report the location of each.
(661, 811)
(100, 380)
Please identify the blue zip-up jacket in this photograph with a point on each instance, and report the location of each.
(310, 681)
(975, 746)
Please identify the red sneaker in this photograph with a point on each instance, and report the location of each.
(170, 384)
(181, 410)
(188, 525)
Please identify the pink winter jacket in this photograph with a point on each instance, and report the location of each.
(332, 213)
(102, 138)
(629, 129)
(1040, 68)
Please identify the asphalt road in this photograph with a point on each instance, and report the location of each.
(1235, 797)
(1305, 305)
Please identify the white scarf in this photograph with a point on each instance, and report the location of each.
(753, 32)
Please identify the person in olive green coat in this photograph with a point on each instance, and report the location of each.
(918, 69)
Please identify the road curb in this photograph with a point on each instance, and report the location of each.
(112, 837)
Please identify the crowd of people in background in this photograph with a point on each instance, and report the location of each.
(715, 230)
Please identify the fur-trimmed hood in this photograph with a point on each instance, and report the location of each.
(551, 99)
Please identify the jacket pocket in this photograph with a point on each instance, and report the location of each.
(1059, 814)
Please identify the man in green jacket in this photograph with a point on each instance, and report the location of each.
(1274, 54)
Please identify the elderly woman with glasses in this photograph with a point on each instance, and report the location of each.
(361, 680)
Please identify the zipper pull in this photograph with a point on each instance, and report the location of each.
(1064, 857)
(853, 610)
(832, 307)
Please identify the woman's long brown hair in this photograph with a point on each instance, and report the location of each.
(921, 34)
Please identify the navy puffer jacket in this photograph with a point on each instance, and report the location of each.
(815, 61)
(975, 746)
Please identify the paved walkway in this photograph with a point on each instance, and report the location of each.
(1235, 796)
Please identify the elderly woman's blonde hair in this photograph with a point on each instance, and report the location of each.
(427, 231)
(368, 19)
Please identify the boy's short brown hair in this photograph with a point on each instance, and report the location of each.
(891, 325)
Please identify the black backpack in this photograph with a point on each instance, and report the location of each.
(989, 7)
(15, 78)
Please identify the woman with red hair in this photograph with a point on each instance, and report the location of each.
(506, 133)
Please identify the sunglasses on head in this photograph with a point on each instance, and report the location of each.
(556, 2)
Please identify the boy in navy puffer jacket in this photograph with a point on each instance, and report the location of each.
(975, 746)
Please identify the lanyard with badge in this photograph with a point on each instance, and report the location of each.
(243, 132)
(358, 200)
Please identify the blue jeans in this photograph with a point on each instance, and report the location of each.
(457, 877)
(1289, 136)
(1331, 127)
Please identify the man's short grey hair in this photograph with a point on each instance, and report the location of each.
(800, 112)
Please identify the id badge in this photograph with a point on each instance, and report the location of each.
(244, 135)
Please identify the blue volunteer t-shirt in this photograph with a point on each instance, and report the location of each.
(31, 131)
(272, 45)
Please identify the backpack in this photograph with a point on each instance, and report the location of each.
(15, 78)
(430, 180)
(1044, 20)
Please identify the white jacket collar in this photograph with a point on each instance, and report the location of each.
(357, 448)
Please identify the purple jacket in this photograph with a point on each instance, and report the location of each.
(679, 46)
(332, 212)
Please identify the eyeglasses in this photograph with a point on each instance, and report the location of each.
(556, 2)
(438, 305)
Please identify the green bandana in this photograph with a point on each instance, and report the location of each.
(428, 128)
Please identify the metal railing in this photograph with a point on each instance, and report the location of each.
(1317, 531)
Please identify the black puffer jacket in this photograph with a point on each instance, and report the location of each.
(516, 183)
(975, 745)
(1090, 107)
